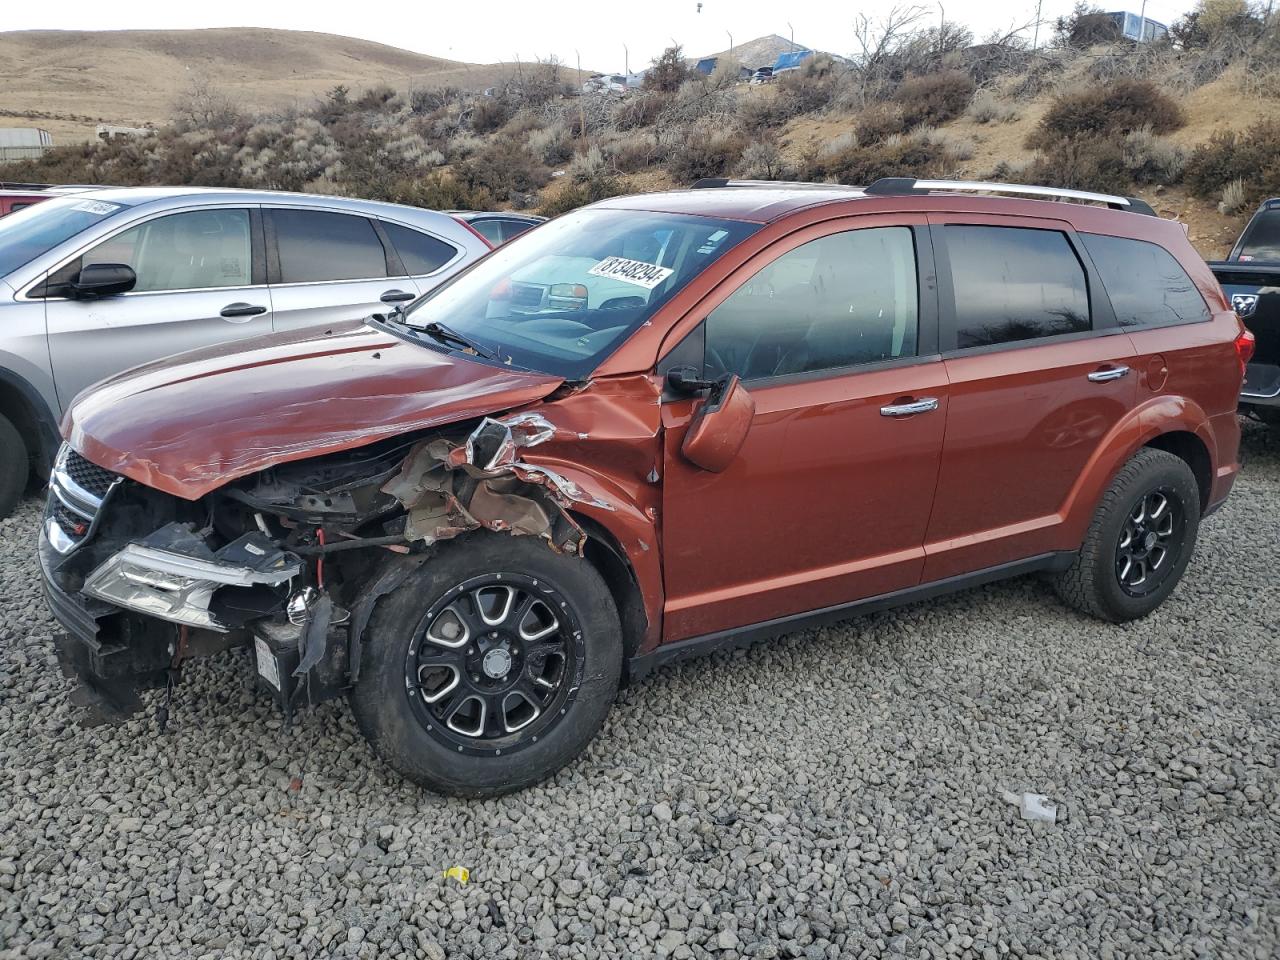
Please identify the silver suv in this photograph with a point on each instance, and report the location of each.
(96, 282)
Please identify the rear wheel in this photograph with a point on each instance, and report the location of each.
(1139, 542)
(493, 666)
(15, 464)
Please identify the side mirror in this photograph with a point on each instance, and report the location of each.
(719, 428)
(102, 280)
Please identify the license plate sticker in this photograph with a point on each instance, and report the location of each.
(268, 669)
(647, 275)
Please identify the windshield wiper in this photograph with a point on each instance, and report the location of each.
(438, 331)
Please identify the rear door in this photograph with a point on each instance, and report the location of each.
(1040, 373)
(325, 267)
(1178, 350)
(201, 281)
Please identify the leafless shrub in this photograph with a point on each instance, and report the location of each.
(1233, 197)
(204, 106)
(762, 160)
(1152, 159)
(552, 144)
(986, 107)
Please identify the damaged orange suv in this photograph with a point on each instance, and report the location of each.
(650, 428)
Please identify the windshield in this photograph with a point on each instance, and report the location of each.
(1261, 241)
(567, 294)
(28, 233)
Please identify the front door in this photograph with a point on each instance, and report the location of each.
(197, 285)
(1040, 374)
(832, 331)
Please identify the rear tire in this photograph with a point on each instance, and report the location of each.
(15, 465)
(1139, 542)
(463, 693)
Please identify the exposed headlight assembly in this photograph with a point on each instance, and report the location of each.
(177, 581)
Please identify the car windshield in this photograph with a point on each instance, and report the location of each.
(29, 233)
(564, 296)
(1261, 241)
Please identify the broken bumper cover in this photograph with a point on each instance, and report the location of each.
(178, 584)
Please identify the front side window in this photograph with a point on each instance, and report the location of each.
(197, 250)
(1147, 286)
(1013, 284)
(564, 297)
(315, 246)
(47, 224)
(839, 301)
(419, 252)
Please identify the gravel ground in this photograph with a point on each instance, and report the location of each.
(835, 794)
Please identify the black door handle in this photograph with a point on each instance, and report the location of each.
(242, 310)
(396, 296)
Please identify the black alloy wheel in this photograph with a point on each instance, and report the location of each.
(494, 664)
(1151, 542)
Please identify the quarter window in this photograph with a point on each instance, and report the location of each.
(1147, 286)
(420, 253)
(315, 246)
(1013, 284)
(197, 250)
(838, 301)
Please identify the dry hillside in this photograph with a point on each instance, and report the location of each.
(1191, 124)
(68, 81)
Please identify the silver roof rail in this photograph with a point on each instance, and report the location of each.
(899, 186)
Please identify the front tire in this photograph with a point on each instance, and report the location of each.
(1139, 542)
(15, 465)
(491, 667)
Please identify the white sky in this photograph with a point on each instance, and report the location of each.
(484, 31)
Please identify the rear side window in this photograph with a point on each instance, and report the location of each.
(419, 252)
(837, 301)
(1013, 284)
(1147, 286)
(315, 246)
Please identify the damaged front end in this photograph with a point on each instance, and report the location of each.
(290, 561)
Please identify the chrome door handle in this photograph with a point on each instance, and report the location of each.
(1106, 376)
(234, 311)
(396, 296)
(923, 405)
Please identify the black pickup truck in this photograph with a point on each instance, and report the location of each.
(1250, 277)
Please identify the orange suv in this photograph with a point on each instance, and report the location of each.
(653, 427)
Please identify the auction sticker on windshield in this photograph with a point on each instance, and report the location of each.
(647, 275)
(99, 207)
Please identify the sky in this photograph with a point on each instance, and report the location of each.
(485, 31)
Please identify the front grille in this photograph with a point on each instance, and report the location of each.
(89, 476)
(77, 491)
(72, 524)
(526, 295)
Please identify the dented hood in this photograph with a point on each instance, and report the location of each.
(189, 425)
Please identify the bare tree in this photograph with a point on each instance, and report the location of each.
(203, 106)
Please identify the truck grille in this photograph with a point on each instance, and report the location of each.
(77, 491)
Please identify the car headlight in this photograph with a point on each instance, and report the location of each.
(176, 587)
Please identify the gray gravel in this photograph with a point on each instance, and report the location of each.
(836, 794)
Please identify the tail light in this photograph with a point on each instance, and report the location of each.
(1245, 343)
